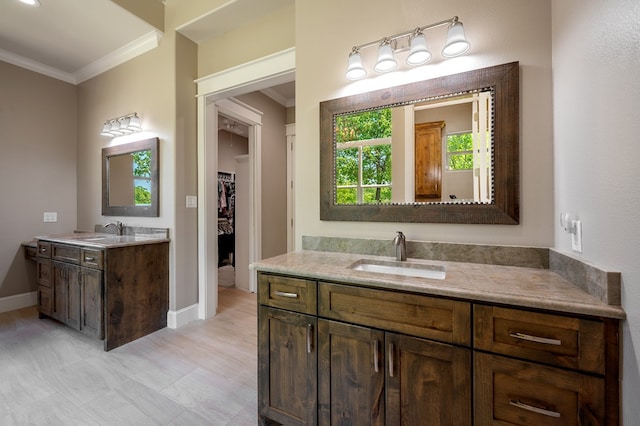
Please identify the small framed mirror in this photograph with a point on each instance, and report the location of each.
(130, 179)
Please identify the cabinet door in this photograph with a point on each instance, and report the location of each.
(351, 374)
(287, 367)
(72, 314)
(514, 392)
(91, 303)
(428, 161)
(58, 291)
(428, 383)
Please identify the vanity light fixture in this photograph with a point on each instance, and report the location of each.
(414, 41)
(34, 3)
(124, 125)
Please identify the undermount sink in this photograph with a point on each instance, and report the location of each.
(407, 269)
(94, 237)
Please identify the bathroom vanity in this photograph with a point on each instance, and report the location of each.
(112, 287)
(484, 344)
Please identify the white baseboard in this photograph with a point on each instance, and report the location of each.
(18, 301)
(176, 319)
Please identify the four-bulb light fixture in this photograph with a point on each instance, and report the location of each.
(455, 45)
(124, 125)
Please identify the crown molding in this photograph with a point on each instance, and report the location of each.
(127, 52)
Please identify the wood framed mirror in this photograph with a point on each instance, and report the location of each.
(130, 179)
(492, 98)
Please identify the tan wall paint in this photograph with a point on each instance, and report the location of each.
(274, 172)
(151, 11)
(500, 31)
(263, 37)
(37, 167)
(596, 128)
(186, 182)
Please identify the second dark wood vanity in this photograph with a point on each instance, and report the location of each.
(114, 289)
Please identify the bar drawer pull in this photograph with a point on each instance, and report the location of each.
(392, 352)
(538, 410)
(309, 338)
(89, 259)
(286, 294)
(376, 349)
(43, 250)
(543, 340)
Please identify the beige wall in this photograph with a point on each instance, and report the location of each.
(500, 31)
(37, 167)
(159, 87)
(596, 131)
(230, 145)
(263, 37)
(274, 172)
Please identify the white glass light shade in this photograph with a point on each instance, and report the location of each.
(355, 70)
(115, 128)
(134, 123)
(385, 61)
(106, 129)
(34, 3)
(124, 125)
(418, 54)
(456, 43)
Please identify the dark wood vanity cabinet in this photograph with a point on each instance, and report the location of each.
(114, 294)
(543, 368)
(368, 371)
(68, 291)
(287, 347)
(393, 358)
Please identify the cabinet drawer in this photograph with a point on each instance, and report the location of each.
(44, 249)
(43, 271)
(551, 339)
(294, 294)
(417, 315)
(92, 258)
(65, 253)
(514, 392)
(31, 253)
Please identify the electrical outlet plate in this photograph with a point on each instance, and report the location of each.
(576, 237)
(50, 216)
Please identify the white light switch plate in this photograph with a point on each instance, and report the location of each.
(192, 201)
(50, 216)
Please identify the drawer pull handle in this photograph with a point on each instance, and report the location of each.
(286, 294)
(376, 349)
(538, 410)
(89, 259)
(543, 340)
(309, 338)
(391, 359)
(43, 250)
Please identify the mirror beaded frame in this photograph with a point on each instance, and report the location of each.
(504, 82)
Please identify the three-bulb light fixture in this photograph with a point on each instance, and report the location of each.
(124, 125)
(416, 43)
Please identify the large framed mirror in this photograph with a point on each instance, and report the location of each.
(130, 179)
(444, 150)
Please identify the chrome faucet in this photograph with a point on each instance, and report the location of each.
(401, 246)
(118, 226)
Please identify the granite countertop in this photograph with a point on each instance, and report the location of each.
(509, 285)
(102, 240)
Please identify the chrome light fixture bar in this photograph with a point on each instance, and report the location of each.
(419, 54)
(124, 125)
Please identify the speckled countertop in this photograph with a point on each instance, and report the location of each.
(509, 285)
(102, 240)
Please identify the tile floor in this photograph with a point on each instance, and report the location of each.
(201, 374)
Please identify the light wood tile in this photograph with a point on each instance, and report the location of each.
(201, 374)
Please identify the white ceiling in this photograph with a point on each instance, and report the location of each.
(74, 40)
(71, 40)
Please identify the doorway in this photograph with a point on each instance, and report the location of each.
(214, 93)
